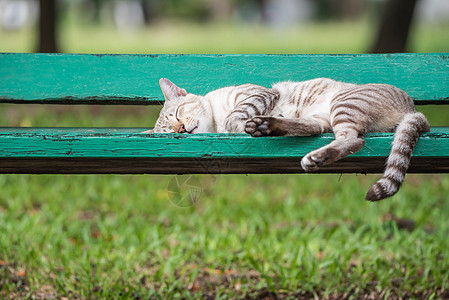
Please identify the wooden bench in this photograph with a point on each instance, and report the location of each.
(133, 80)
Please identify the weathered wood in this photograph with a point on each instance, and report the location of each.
(167, 166)
(133, 79)
(127, 150)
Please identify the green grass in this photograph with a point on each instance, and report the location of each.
(98, 236)
(285, 236)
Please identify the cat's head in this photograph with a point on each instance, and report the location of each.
(183, 112)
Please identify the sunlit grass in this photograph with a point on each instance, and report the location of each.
(91, 236)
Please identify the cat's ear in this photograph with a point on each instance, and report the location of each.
(170, 90)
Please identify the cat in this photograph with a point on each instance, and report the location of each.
(302, 109)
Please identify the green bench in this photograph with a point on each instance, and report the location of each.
(133, 80)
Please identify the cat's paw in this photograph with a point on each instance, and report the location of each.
(316, 159)
(310, 163)
(258, 126)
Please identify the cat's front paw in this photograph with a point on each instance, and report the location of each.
(258, 126)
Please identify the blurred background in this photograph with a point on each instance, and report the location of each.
(224, 26)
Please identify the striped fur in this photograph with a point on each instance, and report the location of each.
(223, 111)
(405, 139)
(302, 109)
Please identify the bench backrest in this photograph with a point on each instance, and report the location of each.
(133, 79)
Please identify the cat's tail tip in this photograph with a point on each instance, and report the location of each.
(384, 188)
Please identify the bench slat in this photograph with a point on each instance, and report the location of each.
(127, 150)
(133, 79)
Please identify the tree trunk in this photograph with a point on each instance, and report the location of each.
(96, 10)
(394, 27)
(47, 26)
(262, 5)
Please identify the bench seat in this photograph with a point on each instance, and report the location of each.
(129, 151)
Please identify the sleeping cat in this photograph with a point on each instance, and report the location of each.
(302, 109)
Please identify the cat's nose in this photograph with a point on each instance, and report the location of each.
(182, 129)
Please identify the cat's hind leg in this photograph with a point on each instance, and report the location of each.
(347, 141)
(275, 126)
(349, 120)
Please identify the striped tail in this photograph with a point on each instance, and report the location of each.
(405, 139)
